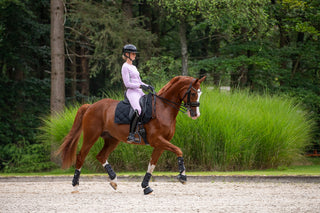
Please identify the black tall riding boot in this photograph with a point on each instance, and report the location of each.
(133, 126)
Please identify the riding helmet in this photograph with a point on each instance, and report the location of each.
(129, 48)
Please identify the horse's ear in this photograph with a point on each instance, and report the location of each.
(202, 79)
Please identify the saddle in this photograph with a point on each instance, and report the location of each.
(124, 113)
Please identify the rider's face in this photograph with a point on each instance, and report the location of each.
(132, 56)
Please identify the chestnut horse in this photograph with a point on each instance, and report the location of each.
(97, 120)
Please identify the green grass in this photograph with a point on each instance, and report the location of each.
(241, 131)
(236, 131)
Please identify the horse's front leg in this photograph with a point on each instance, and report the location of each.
(182, 169)
(152, 164)
(166, 145)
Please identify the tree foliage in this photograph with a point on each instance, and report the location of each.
(259, 45)
(103, 29)
(23, 37)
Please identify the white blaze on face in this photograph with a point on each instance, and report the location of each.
(199, 94)
(198, 110)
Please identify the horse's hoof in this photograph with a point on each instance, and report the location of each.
(147, 190)
(182, 178)
(113, 185)
(75, 189)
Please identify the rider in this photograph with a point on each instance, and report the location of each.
(134, 85)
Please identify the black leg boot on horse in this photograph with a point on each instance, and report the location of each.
(133, 127)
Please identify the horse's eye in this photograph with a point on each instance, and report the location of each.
(193, 94)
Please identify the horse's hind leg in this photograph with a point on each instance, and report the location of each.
(110, 144)
(89, 138)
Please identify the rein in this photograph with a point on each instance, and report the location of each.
(173, 104)
(181, 107)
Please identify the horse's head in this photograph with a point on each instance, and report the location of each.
(191, 98)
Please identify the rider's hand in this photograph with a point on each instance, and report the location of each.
(151, 88)
(144, 87)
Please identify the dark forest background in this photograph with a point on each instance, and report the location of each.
(258, 45)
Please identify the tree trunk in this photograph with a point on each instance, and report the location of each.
(73, 76)
(184, 47)
(216, 51)
(145, 10)
(57, 101)
(283, 41)
(85, 76)
(127, 8)
(297, 57)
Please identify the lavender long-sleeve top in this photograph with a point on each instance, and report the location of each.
(132, 81)
(131, 76)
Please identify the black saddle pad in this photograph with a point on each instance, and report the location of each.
(124, 111)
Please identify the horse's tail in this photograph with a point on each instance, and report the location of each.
(68, 148)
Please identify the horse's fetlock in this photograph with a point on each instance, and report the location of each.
(111, 173)
(182, 178)
(146, 179)
(75, 180)
(181, 165)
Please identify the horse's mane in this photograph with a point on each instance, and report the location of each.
(172, 82)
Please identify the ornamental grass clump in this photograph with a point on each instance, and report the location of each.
(236, 131)
(124, 158)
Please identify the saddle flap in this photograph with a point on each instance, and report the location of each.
(124, 111)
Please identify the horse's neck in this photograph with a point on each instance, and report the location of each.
(172, 94)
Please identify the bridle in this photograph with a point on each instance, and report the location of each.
(190, 104)
(183, 107)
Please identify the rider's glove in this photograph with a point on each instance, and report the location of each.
(144, 87)
(151, 88)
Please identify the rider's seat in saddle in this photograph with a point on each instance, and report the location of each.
(124, 111)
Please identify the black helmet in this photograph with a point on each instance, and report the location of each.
(129, 48)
